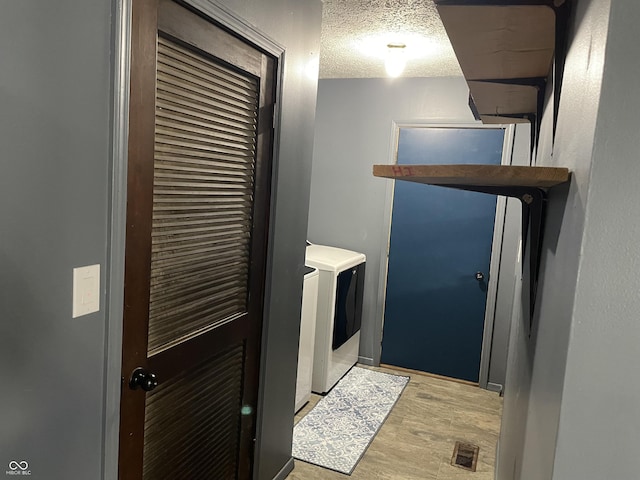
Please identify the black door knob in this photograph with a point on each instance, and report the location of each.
(479, 276)
(143, 379)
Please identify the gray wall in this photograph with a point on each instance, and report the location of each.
(54, 200)
(348, 204)
(599, 421)
(537, 358)
(55, 132)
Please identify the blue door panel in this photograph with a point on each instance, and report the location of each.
(434, 313)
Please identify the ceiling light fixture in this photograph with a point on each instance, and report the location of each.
(396, 59)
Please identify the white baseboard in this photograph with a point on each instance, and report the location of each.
(494, 387)
(367, 361)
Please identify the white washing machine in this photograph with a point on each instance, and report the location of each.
(339, 312)
(307, 337)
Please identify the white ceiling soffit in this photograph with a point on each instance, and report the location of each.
(355, 34)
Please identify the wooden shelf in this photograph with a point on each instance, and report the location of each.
(505, 52)
(501, 99)
(500, 41)
(527, 184)
(506, 49)
(475, 175)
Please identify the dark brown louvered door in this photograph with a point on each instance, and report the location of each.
(200, 141)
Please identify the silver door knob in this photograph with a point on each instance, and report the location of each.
(479, 276)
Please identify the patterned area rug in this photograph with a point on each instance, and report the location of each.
(337, 432)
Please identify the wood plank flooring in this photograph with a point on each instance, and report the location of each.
(417, 440)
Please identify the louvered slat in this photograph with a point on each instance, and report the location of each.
(192, 421)
(203, 194)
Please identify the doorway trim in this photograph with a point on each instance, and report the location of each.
(122, 14)
(494, 270)
(117, 228)
(494, 267)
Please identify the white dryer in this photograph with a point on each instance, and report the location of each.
(307, 337)
(339, 312)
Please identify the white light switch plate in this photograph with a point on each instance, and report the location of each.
(86, 290)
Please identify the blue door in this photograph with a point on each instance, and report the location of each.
(440, 239)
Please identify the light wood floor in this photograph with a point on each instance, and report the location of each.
(417, 440)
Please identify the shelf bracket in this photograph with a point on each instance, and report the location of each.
(533, 201)
(527, 184)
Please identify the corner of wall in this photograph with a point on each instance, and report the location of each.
(536, 372)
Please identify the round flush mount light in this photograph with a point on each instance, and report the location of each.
(396, 59)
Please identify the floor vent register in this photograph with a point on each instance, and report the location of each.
(465, 455)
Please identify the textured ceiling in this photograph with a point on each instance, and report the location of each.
(355, 34)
